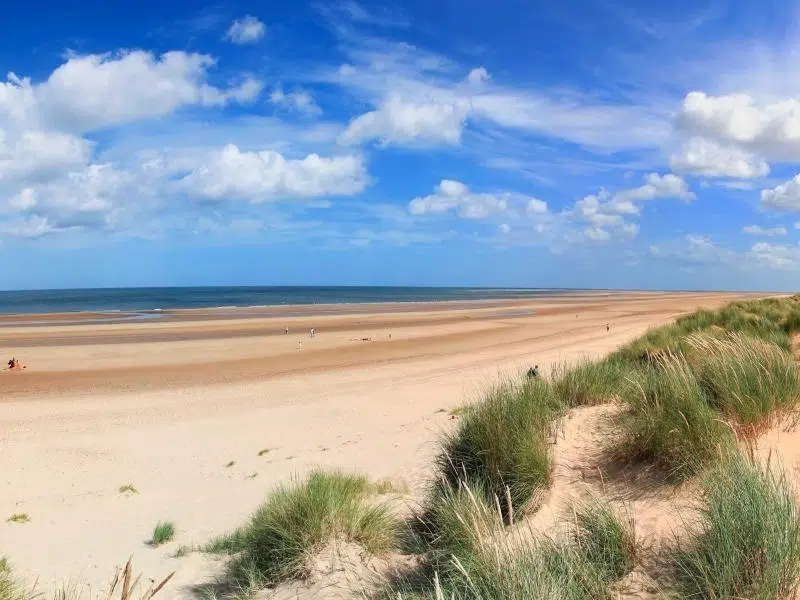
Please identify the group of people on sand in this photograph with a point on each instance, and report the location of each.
(15, 364)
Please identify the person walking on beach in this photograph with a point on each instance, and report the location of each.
(286, 330)
(608, 327)
(312, 332)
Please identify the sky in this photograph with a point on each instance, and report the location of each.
(579, 143)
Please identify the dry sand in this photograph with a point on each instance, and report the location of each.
(167, 404)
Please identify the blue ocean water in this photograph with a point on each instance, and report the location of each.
(149, 299)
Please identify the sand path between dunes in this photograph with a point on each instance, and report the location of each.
(167, 405)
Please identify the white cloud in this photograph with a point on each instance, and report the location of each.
(592, 210)
(658, 186)
(92, 197)
(504, 228)
(776, 256)
(695, 251)
(247, 30)
(401, 121)
(29, 227)
(772, 129)
(710, 159)
(784, 197)
(262, 176)
(35, 154)
(455, 197)
(478, 77)
(296, 100)
(378, 71)
(764, 231)
(95, 91)
(596, 234)
(605, 214)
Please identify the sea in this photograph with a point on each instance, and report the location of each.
(158, 299)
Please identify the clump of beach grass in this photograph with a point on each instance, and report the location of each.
(10, 587)
(19, 518)
(163, 532)
(590, 382)
(605, 538)
(474, 556)
(128, 488)
(746, 543)
(747, 379)
(298, 520)
(669, 420)
(229, 543)
(501, 444)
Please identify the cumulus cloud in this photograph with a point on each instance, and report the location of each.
(31, 155)
(247, 30)
(604, 214)
(95, 91)
(658, 186)
(772, 129)
(296, 100)
(700, 156)
(784, 197)
(401, 121)
(263, 176)
(455, 197)
(764, 231)
(91, 197)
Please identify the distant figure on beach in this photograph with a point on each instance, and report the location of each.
(533, 372)
(15, 365)
(312, 332)
(608, 327)
(286, 331)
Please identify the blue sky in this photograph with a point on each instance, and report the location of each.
(583, 143)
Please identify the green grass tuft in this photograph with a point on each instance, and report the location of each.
(605, 539)
(128, 488)
(298, 520)
(10, 587)
(163, 532)
(501, 445)
(19, 518)
(230, 543)
(747, 542)
(748, 379)
(473, 556)
(590, 382)
(669, 421)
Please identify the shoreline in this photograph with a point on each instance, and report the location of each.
(270, 311)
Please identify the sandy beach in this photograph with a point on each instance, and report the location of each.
(204, 412)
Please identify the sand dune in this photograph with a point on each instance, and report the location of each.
(167, 404)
